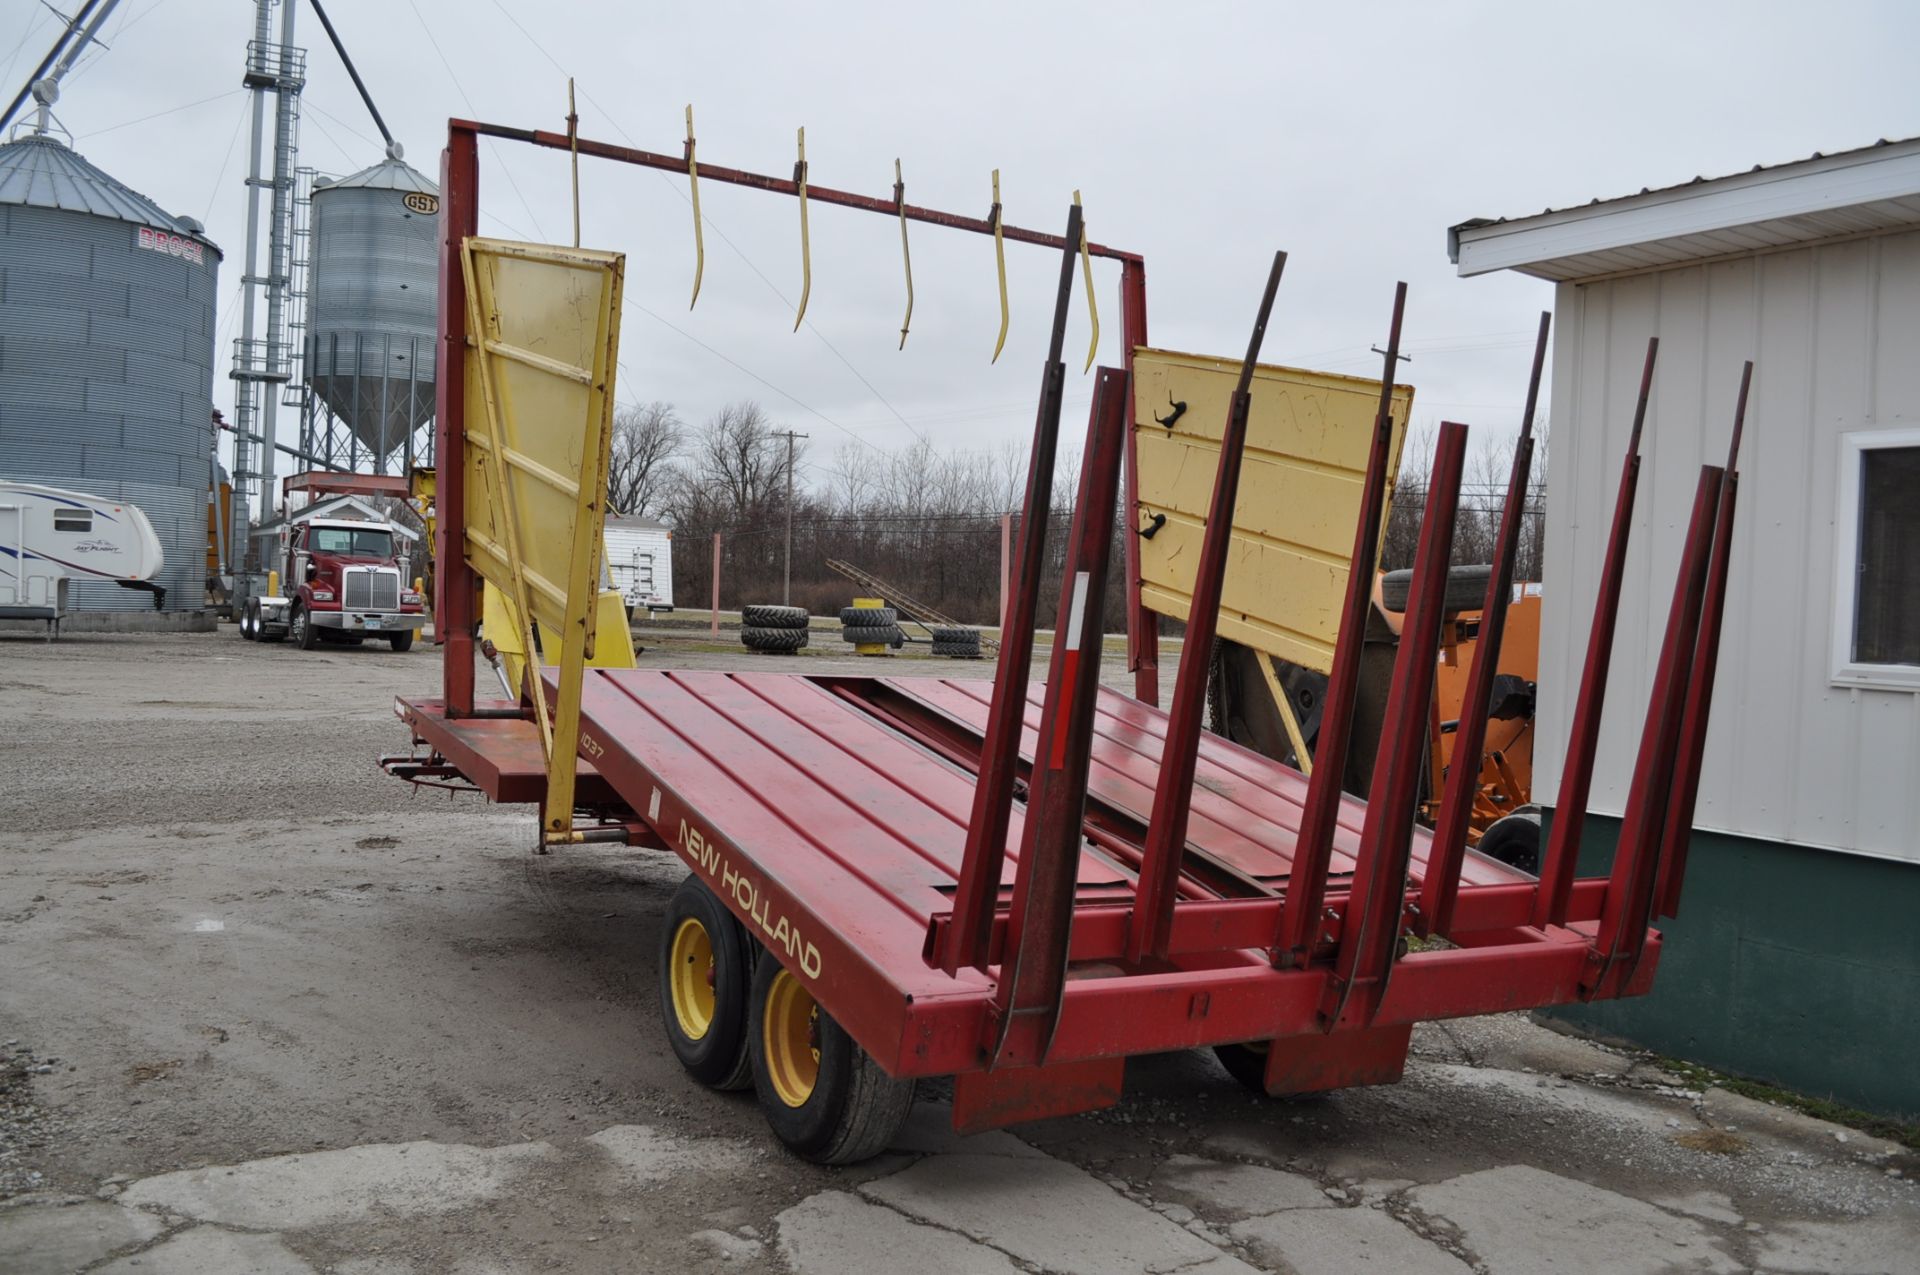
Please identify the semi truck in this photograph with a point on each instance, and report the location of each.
(640, 563)
(337, 580)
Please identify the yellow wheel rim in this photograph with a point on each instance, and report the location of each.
(792, 1039)
(692, 979)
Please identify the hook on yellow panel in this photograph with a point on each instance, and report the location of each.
(1093, 308)
(1000, 264)
(906, 255)
(699, 237)
(806, 249)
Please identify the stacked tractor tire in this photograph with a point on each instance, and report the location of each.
(774, 630)
(960, 644)
(871, 626)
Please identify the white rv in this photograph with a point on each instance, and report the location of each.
(49, 536)
(640, 562)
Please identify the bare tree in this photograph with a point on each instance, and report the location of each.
(646, 439)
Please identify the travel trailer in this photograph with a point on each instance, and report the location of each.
(50, 536)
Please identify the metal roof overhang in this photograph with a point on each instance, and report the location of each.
(1867, 191)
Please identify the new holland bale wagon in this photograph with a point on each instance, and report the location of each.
(1016, 885)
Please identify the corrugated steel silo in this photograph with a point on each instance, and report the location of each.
(371, 323)
(106, 353)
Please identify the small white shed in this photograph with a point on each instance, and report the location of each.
(1811, 787)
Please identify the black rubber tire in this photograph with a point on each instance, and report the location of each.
(1514, 840)
(868, 617)
(717, 1059)
(772, 617)
(250, 622)
(1466, 588)
(871, 634)
(956, 636)
(958, 650)
(785, 640)
(855, 1109)
(401, 642)
(305, 634)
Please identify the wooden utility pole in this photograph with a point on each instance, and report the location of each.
(786, 582)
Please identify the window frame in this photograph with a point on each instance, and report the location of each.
(72, 515)
(1845, 670)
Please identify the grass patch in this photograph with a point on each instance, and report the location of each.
(1697, 1077)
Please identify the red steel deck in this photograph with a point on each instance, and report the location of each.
(830, 813)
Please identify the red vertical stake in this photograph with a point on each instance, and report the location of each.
(1143, 626)
(1370, 936)
(1706, 656)
(454, 584)
(1026, 1000)
(1441, 885)
(1313, 848)
(978, 888)
(1576, 772)
(1166, 838)
(1623, 917)
(714, 629)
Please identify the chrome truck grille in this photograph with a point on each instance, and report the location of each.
(371, 589)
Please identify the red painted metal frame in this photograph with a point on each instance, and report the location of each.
(1370, 942)
(1166, 841)
(980, 872)
(1026, 1001)
(1706, 653)
(1143, 626)
(1295, 938)
(837, 817)
(1558, 865)
(1442, 886)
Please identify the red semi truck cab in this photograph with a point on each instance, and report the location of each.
(343, 580)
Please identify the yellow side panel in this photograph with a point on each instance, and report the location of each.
(501, 623)
(1308, 435)
(551, 319)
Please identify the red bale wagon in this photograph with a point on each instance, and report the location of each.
(1019, 886)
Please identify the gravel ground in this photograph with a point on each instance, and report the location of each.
(232, 946)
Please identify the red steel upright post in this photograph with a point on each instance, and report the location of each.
(1576, 772)
(1370, 937)
(454, 584)
(1006, 560)
(1143, 626)
(1166, 839)
(1441, 886)
(1623, 919)
(978, 888)
(1706, 657)
(1033, 970)
(1313, 849)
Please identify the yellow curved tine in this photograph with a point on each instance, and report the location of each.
(1000, 263)
(906, 255)
(1093, 307)
(806, 248)
(699, 236)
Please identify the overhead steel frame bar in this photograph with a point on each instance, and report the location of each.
(456, 587)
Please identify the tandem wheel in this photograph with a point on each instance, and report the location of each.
(825, 1096)
(705, 979)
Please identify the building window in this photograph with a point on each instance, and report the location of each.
(1876, 622)
(73, 520)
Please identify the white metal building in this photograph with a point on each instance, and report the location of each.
(1812, 775)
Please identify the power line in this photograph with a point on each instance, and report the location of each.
(171, 110)
(226, 159)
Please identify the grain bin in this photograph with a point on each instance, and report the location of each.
(106, 354)
(371, 310)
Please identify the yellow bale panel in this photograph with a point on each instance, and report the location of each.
(1308, 436)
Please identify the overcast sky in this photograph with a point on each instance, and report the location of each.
(1202, 136)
